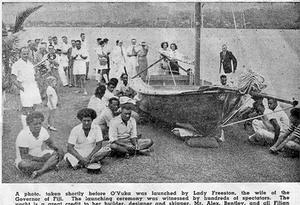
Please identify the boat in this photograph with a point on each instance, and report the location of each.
(204, 106)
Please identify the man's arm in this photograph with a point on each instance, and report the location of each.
(133, 134)
(73, 152)
(95, 150)
(276, 129)
(50, 143)
(24, 151)
(289, 138)
(113, 134)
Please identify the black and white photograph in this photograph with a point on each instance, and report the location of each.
(151, 92)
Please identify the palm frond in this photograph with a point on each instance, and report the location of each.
(22, 17)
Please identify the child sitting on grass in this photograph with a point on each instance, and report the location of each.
(52, 101)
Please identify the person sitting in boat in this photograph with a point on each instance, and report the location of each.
(31, 158)
(226, 57)
(107, 115)
(175, 58)
(164, 51)
(96, 101)
(123, 135)
(291, 137)
(85, 141)
(272, 123)
(123, 88)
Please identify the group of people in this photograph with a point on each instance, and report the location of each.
(110, 114)
(113, 62)
(272, 127)
(107, 126)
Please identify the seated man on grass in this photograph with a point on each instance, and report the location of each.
(85, 141)
(96, 101)
(107, 115)
(123, 135)
(32, 159)
(272, 123)
(291, 138)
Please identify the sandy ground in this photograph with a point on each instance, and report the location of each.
(172, 161)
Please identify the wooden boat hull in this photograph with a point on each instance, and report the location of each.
(205, 108)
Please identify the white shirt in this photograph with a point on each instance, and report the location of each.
(96, 104)
(132, 49)
(82, 144)
(119, 130)
(107, 96)
(65, 47)
(51, 94)
(24, 71)
(79, 52)
(27, 140)
(104, 118)
(84, 46)
(280, 116)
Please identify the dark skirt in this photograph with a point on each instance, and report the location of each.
(174, 67)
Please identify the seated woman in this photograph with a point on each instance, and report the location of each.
(176, 57)
(85, 141)
(291, 138)
(164, 65)
(96, 101)
(31, 158)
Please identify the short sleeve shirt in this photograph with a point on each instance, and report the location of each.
(119, 130)
(280, 116)
(96, 104)
(24, 71)
(83, 143)
(105, 117)
(27, 140)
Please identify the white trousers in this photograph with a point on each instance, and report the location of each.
(62, 76)
(262, 132)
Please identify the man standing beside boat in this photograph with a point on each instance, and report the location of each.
(226, 57)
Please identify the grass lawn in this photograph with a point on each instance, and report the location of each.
(172, 161)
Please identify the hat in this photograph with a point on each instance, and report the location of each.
(143, 43)
(125, 100)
